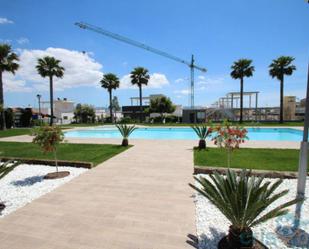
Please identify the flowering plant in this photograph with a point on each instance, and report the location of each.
(229, 137)
(48, 138)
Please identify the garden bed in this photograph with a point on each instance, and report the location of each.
(25, 184)
(212, 225)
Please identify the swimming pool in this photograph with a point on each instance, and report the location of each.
(186, 133)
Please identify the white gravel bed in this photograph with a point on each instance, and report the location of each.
(25, 183)
(212, 225)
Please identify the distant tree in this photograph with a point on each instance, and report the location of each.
(161, 105)
(115, 104)
(50, 67)
(84, 113)
(139, 76)
(277, 69)
(25, 118)
(8, 63)
(110, 81)
(240, 69)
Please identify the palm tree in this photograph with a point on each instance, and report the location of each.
(240, 69)
(202, 132)
(8, 63)
(277, 69)
(244, 200)
(125, 131)
(49, 67)
(110, 81)
(139, 76)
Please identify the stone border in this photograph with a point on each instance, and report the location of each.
(76, 164)
(265, 173)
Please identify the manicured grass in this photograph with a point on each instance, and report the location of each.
(15, 132)
(262, 159)
(95, 153)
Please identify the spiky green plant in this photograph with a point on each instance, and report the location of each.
(243, 200)
(202, 132)
(125, 131)
(5, 168)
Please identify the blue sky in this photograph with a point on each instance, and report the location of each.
(216, 32)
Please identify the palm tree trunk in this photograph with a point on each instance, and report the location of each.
(281, 100)
(2, 125)
(241, 98)
(51, 92)
(110, 106)
(140, 104)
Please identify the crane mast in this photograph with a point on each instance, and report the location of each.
(124, 39)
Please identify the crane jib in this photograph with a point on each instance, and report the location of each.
(124, 39)
(137, 44)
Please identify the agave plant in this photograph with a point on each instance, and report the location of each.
(6, 168)
(243, 200)
(202, 132)
(125, 131)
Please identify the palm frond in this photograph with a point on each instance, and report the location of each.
(202, 131)
(126, 130)
(244, 198)
(7, 167)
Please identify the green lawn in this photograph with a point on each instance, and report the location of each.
(95, 153)
(15, 132)
(263, 159)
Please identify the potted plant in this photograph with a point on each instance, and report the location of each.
(125, 131)
(243, 200)
(48, 138)
(202, 132)
(230, 138)
(5, 168)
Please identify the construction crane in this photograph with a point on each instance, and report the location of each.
(191, 64)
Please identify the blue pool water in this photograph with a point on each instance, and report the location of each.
(266, 134)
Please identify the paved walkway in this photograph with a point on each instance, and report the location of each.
(137, 200)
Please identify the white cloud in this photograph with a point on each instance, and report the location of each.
(22, 40)
(8, 41)
(4, 20)
(11, 84)
(80, 70)
(156, 80)
(207, 81)
(180, 80)
(183, 92)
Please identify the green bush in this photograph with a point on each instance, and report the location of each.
(127, 120)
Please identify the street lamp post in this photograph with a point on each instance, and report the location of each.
(39, 100)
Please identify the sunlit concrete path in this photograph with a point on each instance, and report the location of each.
(139, 199)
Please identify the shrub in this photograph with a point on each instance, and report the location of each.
(127, 120)
(243, 200)
(125, 131)
(202, 132)
(230, 138)
(48, 138)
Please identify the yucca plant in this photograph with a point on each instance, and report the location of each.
(125, 131)
(242, 200)
(202, 132)
(5, 168)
